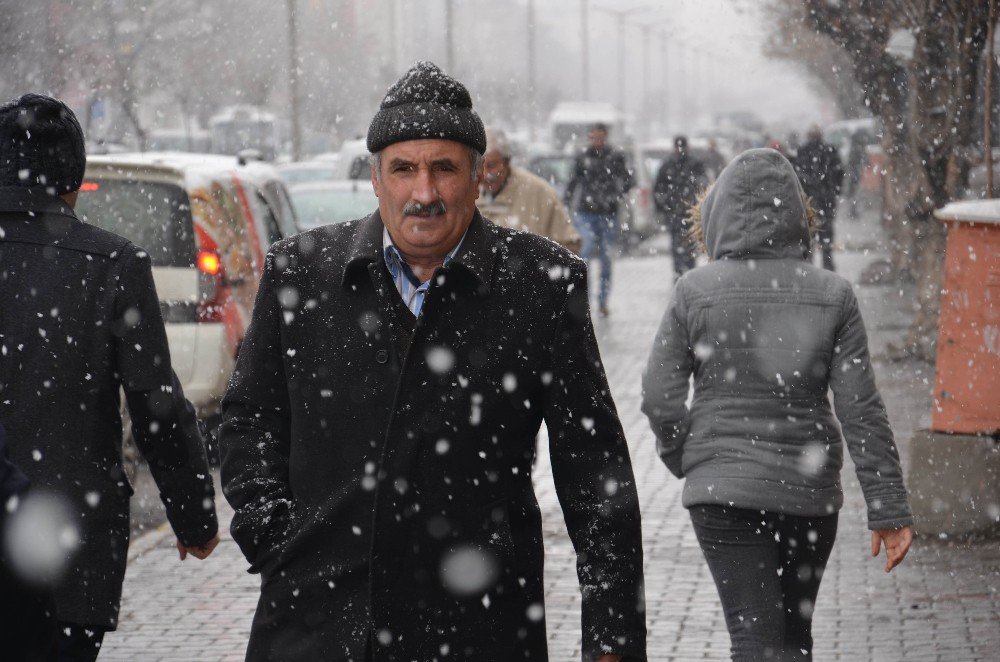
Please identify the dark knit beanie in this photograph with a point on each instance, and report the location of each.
(426, 103)
(41, 144)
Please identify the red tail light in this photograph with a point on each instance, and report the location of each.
(212, 288)
(89, 186)
(644, 198)
(209, 262)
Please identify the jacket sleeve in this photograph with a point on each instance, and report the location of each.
(594, 482)
(255, 433)
(865, 424)
(665, 384)
(163, 421)
(575, 179)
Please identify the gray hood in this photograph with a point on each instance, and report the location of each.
(756, 210)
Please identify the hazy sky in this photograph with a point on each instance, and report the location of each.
(718, 43)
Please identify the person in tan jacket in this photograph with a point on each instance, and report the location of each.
(520, 200)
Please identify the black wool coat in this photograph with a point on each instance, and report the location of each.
(380, 465)
(79, 321)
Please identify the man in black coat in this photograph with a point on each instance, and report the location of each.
(821, 173)
(80, 321)
(679, 180)
(380, 426)
(600, 181)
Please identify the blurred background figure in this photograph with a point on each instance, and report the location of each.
(678, 182)
(513, 197)
(818, 167)
(600, 181)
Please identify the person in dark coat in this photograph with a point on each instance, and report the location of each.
(27, 609)
(766, 337)
(679, 180)
(80, 321)
(821, 173)
(379, 430)
(599, 183)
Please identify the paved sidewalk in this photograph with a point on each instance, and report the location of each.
(942, 604)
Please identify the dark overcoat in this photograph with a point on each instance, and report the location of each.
(79, 321)
(380, 465)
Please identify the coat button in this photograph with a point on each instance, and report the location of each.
(382, 356)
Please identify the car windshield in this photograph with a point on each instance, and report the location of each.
(554, 169)
(322, 207)
(152, 215)
(303, 175)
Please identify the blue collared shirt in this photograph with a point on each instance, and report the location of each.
(407, 283)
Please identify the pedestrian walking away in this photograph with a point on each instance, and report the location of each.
(679, 180)
(821, 173)
(379, 429)
(598, 185)
(765, 336)
(515, 198)
(79, 322)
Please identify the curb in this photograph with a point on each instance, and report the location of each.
(148, 541)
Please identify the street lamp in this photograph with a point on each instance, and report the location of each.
(293, 80)
(621, 15)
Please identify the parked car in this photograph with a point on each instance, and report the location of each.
(301, 172)
(206, 223)
(555, 168)
(323, 203)
(352, 160)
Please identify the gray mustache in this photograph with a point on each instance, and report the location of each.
(436, 208)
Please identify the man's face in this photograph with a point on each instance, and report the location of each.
(426, 195)
(496, 168)
(598, 137)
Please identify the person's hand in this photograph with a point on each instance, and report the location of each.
(200, 552)
(897, 543)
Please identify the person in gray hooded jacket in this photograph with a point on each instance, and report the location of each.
(766, 336)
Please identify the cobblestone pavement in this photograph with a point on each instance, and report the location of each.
(943, 603)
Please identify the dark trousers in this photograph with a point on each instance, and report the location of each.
(767, 568)
(826, 212)
(682, 249)
(79, 643)
(598, 234)
(27, 617)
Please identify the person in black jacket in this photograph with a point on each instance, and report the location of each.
(678, 182)
(79, 321)
(600, 181)
(379, 430)
(821, 173)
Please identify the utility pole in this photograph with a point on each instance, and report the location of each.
(293, 80)
(988, 110)
(622, 15)
(664, 80)
(532, 95)
(585, 48)
(449, 18)
(393, 61)
(646, 78)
